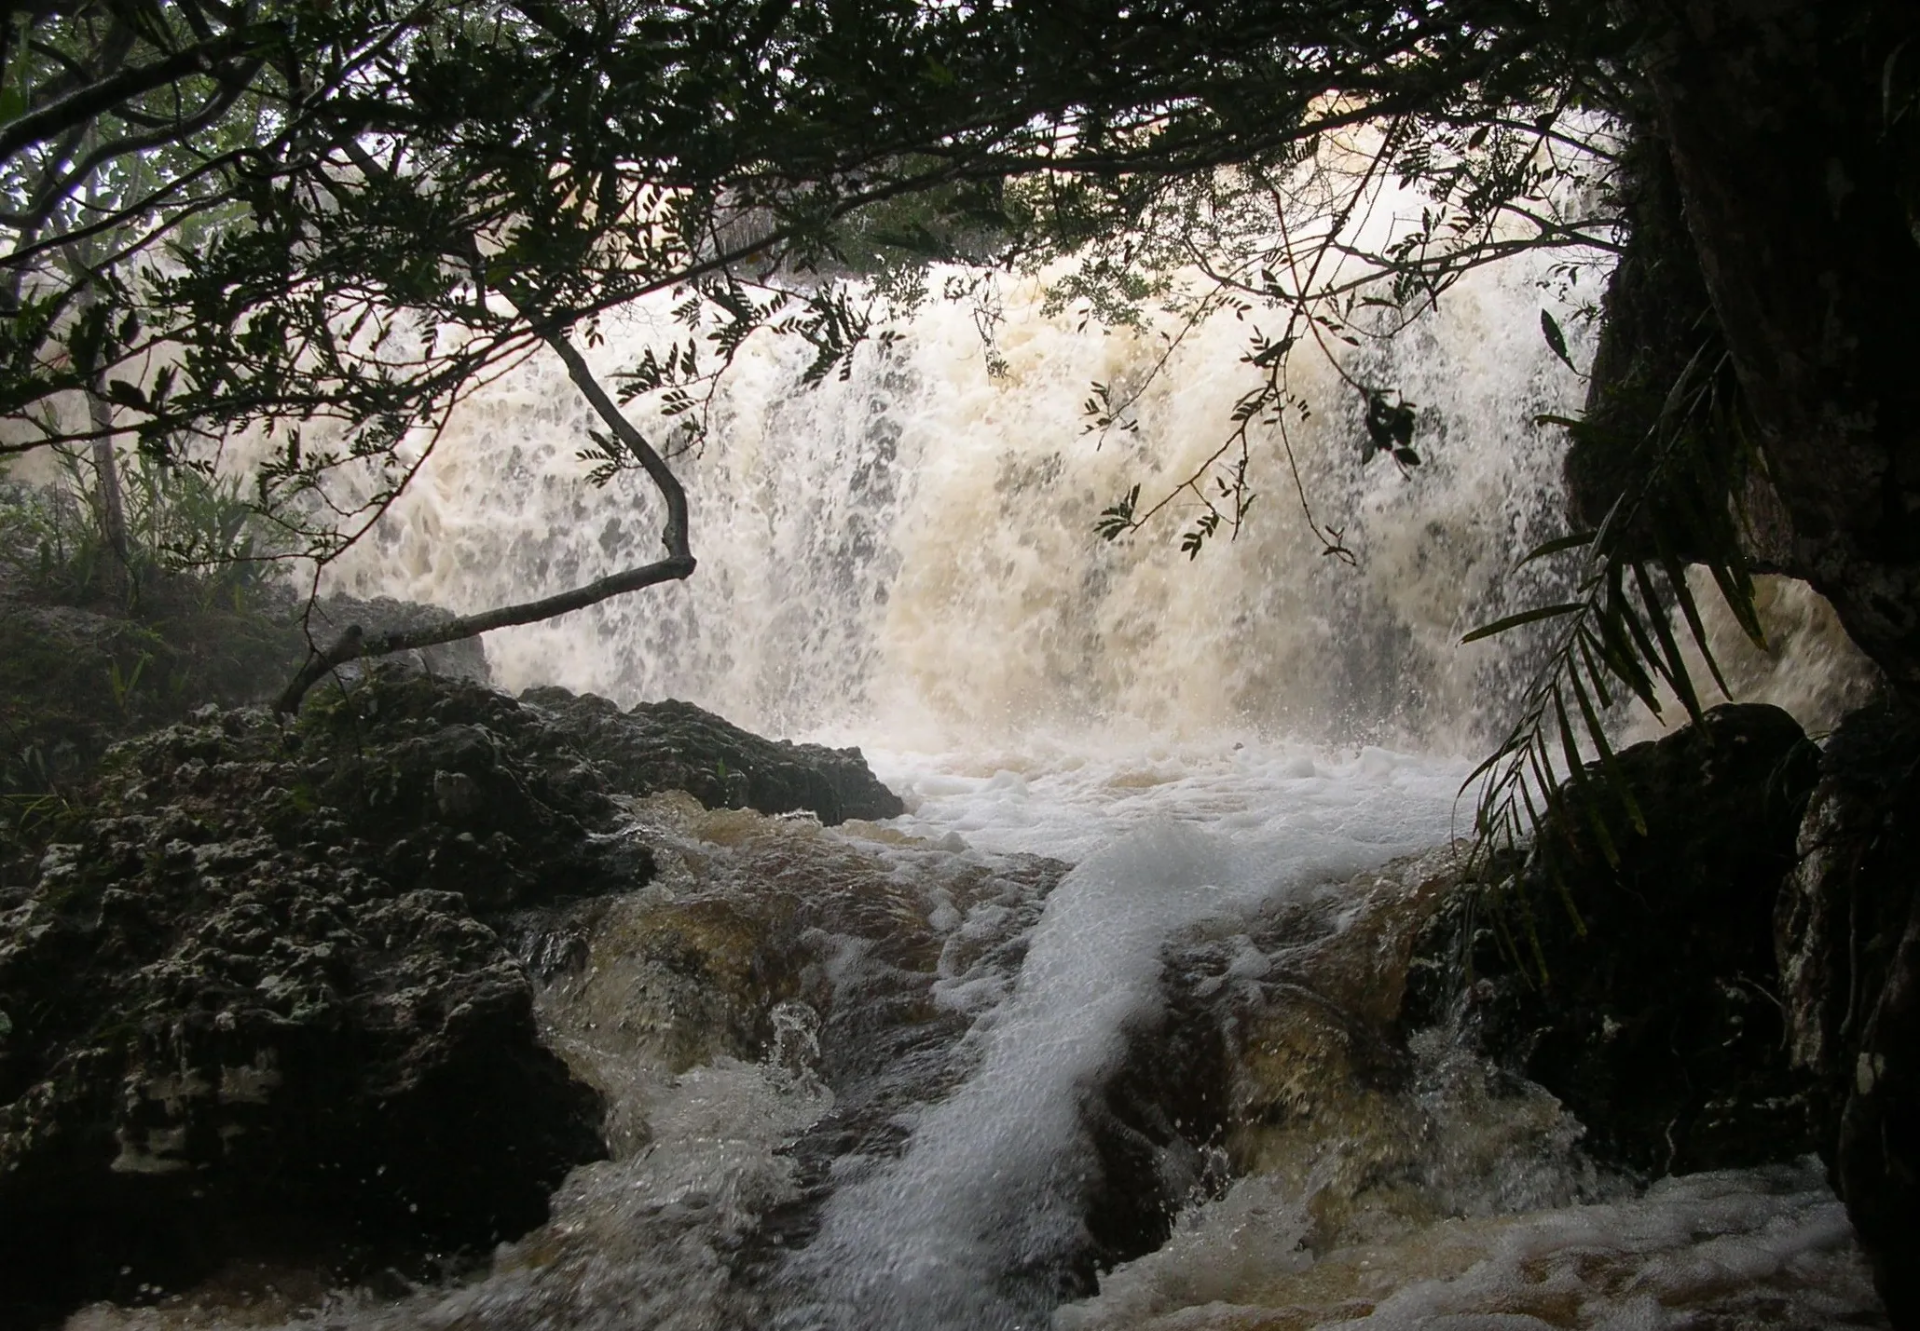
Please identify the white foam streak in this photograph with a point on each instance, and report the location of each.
(991, 1191)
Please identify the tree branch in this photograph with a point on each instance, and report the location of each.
(677, 566)
(85, 104)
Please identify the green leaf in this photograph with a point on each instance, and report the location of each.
(124, 394)
(1577, 787)
(1117, 519)
(1532, 616)
(1616, 779)
(1556, 340)
(1570, 542)
(1683, 595)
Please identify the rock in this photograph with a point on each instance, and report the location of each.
(1654, 1017)
(75, 679)
(1848, 932)
(257, 1004)
(464, 658)
(854, 963)
(677, 746)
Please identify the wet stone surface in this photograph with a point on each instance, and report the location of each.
(270, 992)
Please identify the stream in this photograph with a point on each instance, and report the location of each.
(1083, 1040)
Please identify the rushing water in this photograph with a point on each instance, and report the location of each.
(1214, 757)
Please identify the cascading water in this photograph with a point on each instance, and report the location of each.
(932, 1141)
(909, 553)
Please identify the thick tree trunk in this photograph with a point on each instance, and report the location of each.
(1792, 171)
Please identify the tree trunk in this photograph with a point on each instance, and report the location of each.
(109, 509)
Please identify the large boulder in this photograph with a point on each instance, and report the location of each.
(75, 679)
(1849, 944)
(254, 998)
(677, 746)
(1643, 993)
(322, 621)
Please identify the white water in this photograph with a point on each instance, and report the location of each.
(908, 555)
(905, 560)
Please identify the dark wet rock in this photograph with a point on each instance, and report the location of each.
(1849, 947)
(677, 746)
(1657, 1020)
(1276, 1054)
(74, 679)
(330, 616)
(256, 1003)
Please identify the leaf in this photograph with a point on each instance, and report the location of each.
(1577, 787)
(1532, 616)
(1406, 457)
(124, 394)
(1117, 519)
(1556, 340)
(1572, 541)
(1615, 777)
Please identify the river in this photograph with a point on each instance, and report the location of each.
(1140, 788)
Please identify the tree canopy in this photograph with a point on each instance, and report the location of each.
(275, 216)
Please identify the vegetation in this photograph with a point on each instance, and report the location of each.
(323, 223)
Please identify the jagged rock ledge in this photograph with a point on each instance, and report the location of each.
(254, 995)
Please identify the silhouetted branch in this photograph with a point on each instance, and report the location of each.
(678, 565)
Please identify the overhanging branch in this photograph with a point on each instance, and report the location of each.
(678, 565)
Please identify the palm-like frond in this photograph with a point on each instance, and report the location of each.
(1555, 773)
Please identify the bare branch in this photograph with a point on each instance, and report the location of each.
(677, 566)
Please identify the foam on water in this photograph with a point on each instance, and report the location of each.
(1066, 799)
(1747, 1248)
(962, 1233)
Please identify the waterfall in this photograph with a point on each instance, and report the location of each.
(908, 552)
(905, 556)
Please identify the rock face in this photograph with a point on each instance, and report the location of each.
(462, 659)
(677, 746)
(74, 679)
(1849, 942)
(255, 1002)
(1656, 1020)
(266, 992)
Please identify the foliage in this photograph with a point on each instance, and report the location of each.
(1615, 637)
(325, 222)
(180, 519)
(1313, 239)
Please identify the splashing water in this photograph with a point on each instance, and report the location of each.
(909, 551)
(904, 558)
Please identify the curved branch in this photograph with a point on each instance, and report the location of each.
(677, 566)
(354, 644)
